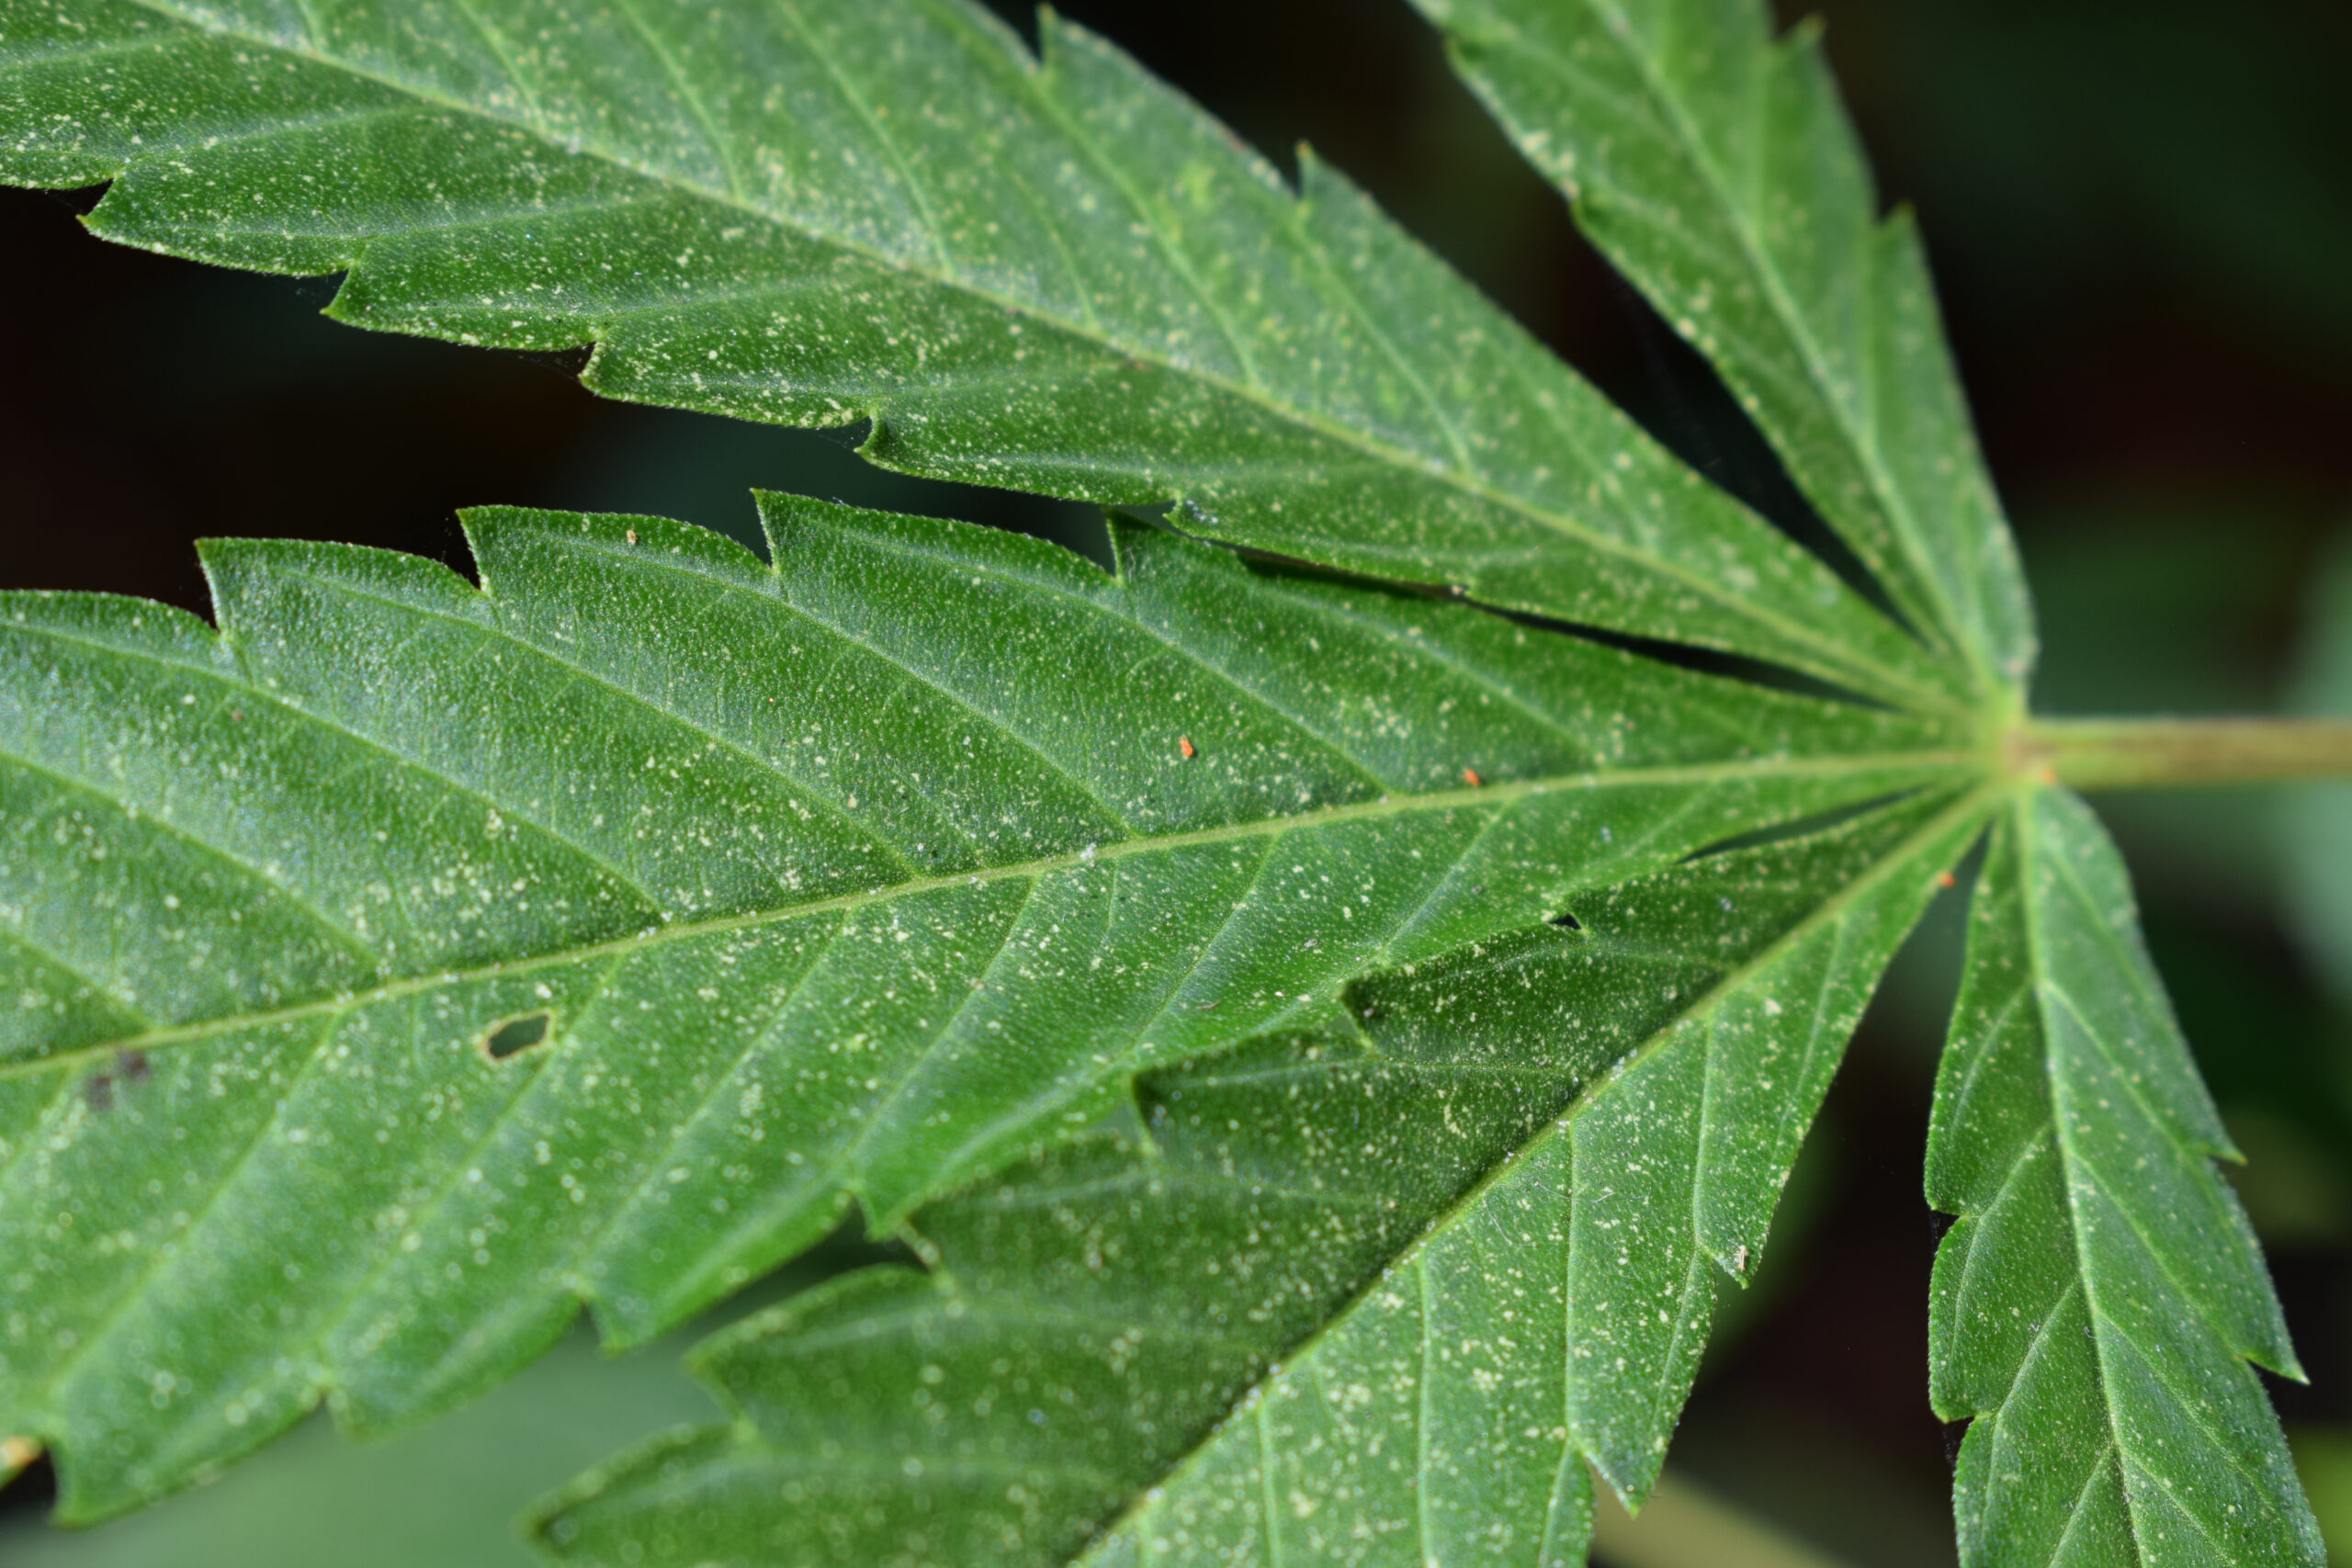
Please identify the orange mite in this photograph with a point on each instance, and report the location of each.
(1946, 879)
(1184, 744)
(1470, 776)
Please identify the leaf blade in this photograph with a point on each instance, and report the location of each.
(823, 896)
(1355, 1424)
(1717, 169)
(2098, 1298)
(1026, 272)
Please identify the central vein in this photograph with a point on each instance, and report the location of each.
(1486, 796)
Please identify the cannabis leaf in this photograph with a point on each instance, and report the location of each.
(1717, 168)
(823, 890)
(1322, 1042)
(1375, 1240)
(2096, 1300)
(1050, 274)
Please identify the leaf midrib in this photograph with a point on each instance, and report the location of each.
(661, 936)
(2030, 856)
(2191, 1406)
(1856, 664)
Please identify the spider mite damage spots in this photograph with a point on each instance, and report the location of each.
(514, 1035)
(1470, 776)
(131, 1068)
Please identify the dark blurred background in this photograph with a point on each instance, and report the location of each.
(2141, 219)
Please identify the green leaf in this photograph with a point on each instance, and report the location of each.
(1330, 1300)
(799, 886)
(2098, 1298)
(1321, 1042)
(1048, 274)
(1717, 168)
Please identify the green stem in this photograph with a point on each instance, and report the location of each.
(2108, 753)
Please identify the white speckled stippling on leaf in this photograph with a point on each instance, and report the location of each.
(1444, 1267)
(1322, 1042)
(1051, 273)
(2098, 1298)
(826, 893)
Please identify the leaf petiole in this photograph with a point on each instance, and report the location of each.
(2107, 753)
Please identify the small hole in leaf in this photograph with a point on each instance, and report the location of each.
(1567, 922)
(515, 1034)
